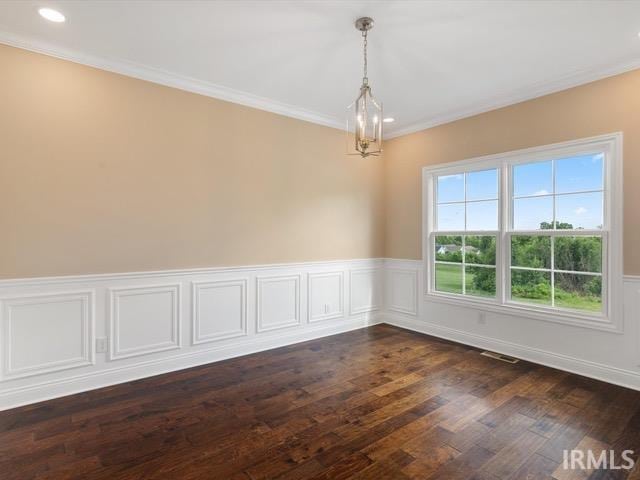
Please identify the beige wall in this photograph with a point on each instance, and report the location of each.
(105, 173)
(605, 106)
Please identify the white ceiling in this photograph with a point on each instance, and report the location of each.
(429, 61)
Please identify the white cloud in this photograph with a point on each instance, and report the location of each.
(450, 177)
(541, 192)
(580, 211)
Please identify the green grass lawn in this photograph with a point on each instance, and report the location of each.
(536, 301)
(449, 280)
(576, 301)
(564, 299)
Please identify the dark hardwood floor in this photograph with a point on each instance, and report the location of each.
(377, 403)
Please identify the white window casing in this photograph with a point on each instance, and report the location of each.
(611, 317)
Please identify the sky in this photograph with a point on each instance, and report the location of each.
(534, 191)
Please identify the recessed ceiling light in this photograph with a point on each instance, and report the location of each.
(389, 120)
(51, 15)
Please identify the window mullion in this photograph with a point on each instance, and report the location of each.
(464, 186)
(432, 226)
(553, 197)
(505, 237)
(604, 276)
(464, 252)
(554, 227)
(464, 255)
(552, 263)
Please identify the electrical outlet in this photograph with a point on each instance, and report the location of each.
(482, 318)
(101, 345)
(326, 308)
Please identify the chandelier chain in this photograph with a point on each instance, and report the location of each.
(365, 80)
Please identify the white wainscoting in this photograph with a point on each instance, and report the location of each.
(608, 356)
(219, 310)
(46, 333)
(402, 290)
(144, 320)
(325, 296)
(50, 327)
(366, 290)
(278, 302)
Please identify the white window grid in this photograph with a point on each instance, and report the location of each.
(465, 233)
(610, 148)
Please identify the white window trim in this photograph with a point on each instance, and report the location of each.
(612, 318)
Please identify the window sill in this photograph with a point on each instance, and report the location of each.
(574, 319)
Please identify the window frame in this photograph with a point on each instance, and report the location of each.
(611, 318)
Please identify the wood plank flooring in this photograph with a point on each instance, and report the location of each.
(376, 403)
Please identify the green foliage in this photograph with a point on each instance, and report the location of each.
(449, 256)
(531, 251)
(481, 249)
(484, 280)
(538, 291)
(579, 254)
(594, 286)
(559, 226)
(571, 253)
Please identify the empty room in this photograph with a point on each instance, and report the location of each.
(278, 239)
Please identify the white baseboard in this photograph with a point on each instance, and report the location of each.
(598, 371)
(112, 376)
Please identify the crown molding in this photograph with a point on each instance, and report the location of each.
(575, 79)
(193, 85)
(168, 79)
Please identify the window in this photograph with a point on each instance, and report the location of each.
(467, 217)
(535, 230)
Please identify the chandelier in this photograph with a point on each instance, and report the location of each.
(364, 120)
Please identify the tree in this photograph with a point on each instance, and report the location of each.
(579, 254)
(559, 226)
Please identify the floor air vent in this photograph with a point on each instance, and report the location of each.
(501, 357)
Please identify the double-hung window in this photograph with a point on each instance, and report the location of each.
(536, 232)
